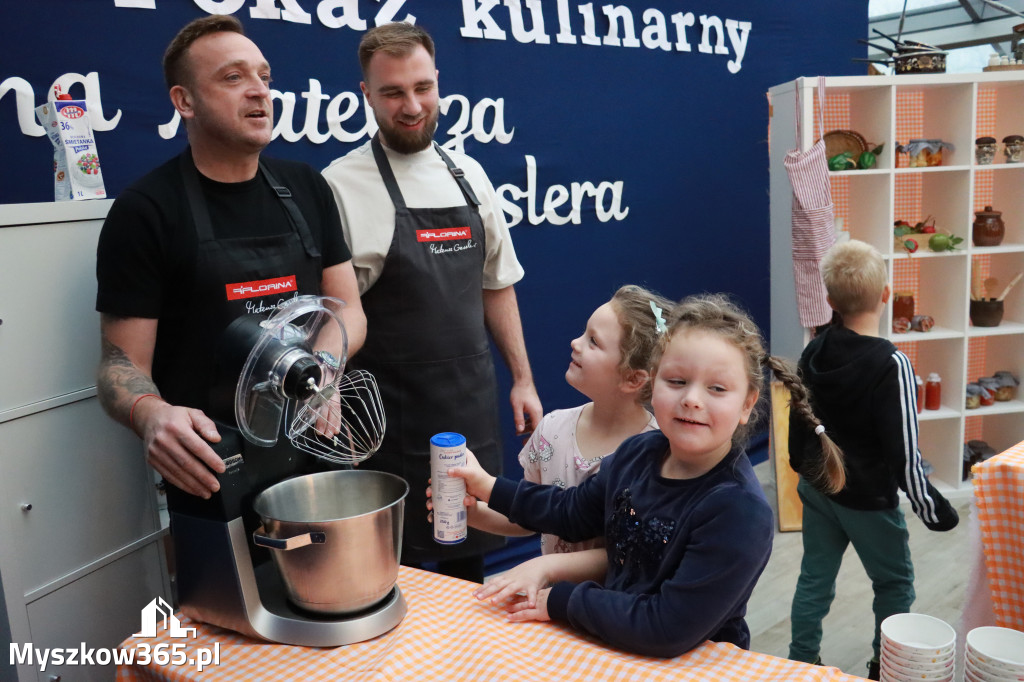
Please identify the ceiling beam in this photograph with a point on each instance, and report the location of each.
(971, 12)
(951, 26)
(940, 16)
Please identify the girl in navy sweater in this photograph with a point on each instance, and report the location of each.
(687, 526)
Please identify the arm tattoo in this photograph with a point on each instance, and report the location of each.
(118, 381)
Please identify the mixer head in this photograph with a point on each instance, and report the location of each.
(295, 372)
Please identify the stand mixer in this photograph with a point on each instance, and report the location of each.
(283, 407)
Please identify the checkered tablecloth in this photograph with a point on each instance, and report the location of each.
(448, 635)
(999, 494)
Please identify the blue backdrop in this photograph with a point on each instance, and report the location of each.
(659, 105)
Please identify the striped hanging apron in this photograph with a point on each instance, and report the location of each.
(813, 220)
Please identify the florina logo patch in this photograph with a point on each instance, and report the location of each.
(443, 235)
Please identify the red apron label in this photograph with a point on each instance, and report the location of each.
(444, 235)
(260, 287)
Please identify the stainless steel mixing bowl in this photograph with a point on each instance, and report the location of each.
(335, 536)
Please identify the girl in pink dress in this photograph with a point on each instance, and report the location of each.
(609, 365)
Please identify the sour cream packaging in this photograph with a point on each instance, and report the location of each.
(448, 450)
(76, 164)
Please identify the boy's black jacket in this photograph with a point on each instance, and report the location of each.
(863, 390)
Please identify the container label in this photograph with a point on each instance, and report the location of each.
(448, 492)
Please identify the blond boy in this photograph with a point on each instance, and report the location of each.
(863, 389)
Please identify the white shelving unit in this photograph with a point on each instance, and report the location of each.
(955, 108)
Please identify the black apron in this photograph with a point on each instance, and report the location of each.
(189, 335)
(184, 360)
(427, 345)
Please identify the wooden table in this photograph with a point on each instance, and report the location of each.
(448, 635)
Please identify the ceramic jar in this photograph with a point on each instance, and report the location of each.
(988, 228)
(987, 313)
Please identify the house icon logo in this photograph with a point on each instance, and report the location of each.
(156, 611)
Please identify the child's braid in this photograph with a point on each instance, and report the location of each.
(831, 476)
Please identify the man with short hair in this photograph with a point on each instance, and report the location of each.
(436, 269)
(179, 241)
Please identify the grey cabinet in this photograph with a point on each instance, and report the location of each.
(81, 548)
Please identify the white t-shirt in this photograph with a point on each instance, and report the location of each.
(552, 457)
(368, 216)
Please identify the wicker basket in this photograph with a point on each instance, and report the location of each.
(839, 141)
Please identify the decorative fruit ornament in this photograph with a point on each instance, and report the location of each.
(842, 161)
(942, 241)
(867, 159)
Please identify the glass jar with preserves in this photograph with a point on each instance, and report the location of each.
(985, 150)
(924, 152)
(991, 383)
(933, 392)
(1007, 389)
(1013, 148)
(903, 304)
(973, 399)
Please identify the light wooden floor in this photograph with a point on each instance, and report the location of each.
(940, 580)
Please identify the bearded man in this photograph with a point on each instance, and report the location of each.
(435, 266)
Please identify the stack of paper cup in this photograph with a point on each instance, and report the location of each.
(917, 647)
(994, 655)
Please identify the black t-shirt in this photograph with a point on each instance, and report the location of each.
(147, 248)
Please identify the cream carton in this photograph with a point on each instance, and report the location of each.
(76, 164)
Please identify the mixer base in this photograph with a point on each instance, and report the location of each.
(219, 585)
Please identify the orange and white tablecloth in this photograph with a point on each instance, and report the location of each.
(999, 496)
(448, 635)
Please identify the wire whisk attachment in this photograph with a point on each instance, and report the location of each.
(344, 423)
